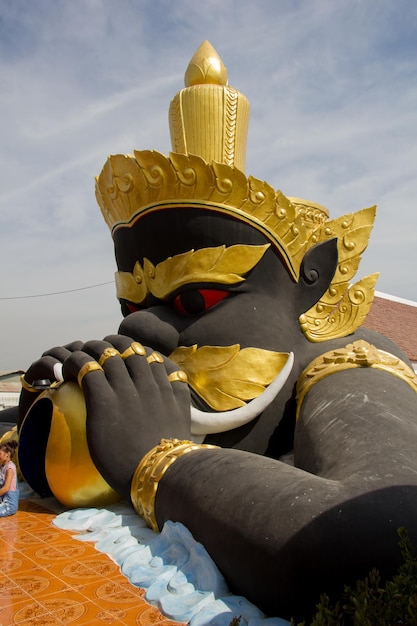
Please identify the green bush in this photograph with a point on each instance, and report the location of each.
(371, 603)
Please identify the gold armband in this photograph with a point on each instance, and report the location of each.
(357, 354)
(151, 470)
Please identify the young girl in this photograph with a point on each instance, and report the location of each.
(9, 491)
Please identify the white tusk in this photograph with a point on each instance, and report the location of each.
(58, 372)
(208, 423)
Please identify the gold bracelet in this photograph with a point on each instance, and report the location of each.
(151, 470)
(354, 355)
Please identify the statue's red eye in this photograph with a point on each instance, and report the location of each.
(133, 307)
(198, 301)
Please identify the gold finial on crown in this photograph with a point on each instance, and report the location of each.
(207, 117)
(205, 67)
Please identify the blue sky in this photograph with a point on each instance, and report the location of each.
(333, 92)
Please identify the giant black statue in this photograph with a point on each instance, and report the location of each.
(240, 396)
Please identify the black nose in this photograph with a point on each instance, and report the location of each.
(150, 330)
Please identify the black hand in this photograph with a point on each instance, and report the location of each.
(131, 405)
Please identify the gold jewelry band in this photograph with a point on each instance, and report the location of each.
(155, 357)
(150, 472)
(108, 353)
(27, 386)
(32, 389)
(134, 348)
(178, 376)
(354, 355)
(90, 366)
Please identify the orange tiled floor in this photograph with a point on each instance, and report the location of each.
(49, 579)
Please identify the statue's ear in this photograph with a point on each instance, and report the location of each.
(317, 270)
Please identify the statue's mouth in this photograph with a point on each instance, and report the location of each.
(210, 422)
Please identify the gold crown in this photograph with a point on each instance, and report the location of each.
(208, 125)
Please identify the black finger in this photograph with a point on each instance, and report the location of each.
(74, 346)
(80, 367)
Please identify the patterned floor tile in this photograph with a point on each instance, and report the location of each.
(48, 578)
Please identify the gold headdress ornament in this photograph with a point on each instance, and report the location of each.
(208, 124)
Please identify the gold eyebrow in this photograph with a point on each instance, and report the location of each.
(222, 265)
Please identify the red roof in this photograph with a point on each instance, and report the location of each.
(397, 320)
